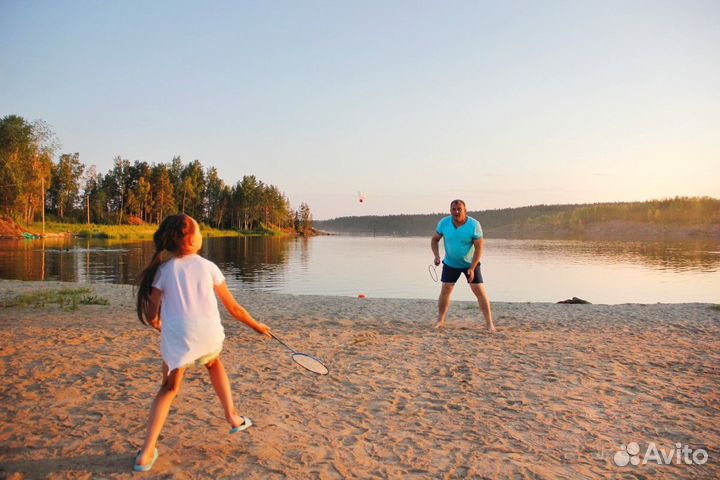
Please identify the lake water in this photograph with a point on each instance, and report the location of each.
(392, 267)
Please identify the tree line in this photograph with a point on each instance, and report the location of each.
(130, 192)
(573, 218)
(424, 224)
(671, 211)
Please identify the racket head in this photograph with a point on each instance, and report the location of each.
(433, 272)
(308, 362)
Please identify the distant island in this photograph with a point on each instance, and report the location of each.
(676, 218)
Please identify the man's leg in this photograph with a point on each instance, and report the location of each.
(479, 290)
(444, 303)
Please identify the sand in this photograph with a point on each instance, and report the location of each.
(554, 394)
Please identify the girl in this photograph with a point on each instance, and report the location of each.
(177, 297)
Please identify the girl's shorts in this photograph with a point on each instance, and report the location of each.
(204, 360)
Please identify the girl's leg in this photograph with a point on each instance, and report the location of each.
(220, 382)
(159, 411)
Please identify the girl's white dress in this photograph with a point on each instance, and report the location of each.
(191, 326)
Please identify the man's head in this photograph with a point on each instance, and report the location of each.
(458, 209)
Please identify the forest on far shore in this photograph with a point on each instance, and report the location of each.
(131, 192)
(679, 217)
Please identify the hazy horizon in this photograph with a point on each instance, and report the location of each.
(474, 210)
(503, 104)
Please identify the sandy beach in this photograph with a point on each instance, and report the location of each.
(555, 393)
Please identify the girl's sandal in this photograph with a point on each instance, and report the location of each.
(148, 466)
(247, 423)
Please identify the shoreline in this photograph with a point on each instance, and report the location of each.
(110, 287)
(553, 394)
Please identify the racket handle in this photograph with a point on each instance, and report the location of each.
(282, 343)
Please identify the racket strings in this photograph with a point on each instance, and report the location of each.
(306, 361)
(310, 363)
(433, 272)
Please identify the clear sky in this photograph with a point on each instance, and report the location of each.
(414, 103)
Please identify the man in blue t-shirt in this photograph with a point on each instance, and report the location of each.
(463, 249)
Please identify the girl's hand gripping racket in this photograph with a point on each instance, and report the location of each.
(308, 362)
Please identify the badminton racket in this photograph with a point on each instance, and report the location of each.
(433, 272)
(308, 362)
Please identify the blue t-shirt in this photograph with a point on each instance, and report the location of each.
(459, 247)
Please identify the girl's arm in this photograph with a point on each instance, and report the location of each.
(152, 311)
(237, 311)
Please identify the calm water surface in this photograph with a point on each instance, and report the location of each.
(514, 270)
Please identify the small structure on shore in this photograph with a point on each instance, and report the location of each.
(575, 300)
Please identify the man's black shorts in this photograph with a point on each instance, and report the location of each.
(451, 275)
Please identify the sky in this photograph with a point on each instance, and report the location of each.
(414, 103)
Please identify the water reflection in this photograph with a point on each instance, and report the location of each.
(676, 256)
(249, 259)
(70, 260)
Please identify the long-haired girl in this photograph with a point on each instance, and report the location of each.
(176, 296)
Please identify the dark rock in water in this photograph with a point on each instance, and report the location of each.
(576, 300)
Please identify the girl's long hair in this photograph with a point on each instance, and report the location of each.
(170, 237)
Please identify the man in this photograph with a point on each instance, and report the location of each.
(463, 249)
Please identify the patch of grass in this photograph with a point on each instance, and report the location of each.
(715, 307)
(264, 230)
(214, 232)
(93, 300)
(123, 232)
(84, 230)
(67, 298)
